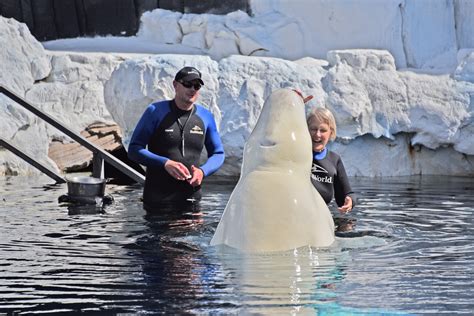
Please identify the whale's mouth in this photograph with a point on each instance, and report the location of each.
(267, 143)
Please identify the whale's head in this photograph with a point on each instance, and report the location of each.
(280, 139)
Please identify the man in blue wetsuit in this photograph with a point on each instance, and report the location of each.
(169, 139)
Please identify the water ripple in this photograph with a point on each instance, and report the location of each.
(408, 248)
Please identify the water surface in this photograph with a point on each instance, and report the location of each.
(408, 248)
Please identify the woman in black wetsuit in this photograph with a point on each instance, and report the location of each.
(328, 174)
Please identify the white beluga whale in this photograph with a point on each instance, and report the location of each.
(274, 206)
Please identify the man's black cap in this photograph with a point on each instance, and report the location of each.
(189, 74)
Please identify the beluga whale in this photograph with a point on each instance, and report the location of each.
(274, 206)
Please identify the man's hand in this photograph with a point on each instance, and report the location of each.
(347, 207)
(177, 170)
(198, 175)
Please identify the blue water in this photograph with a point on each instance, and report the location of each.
(407, 249)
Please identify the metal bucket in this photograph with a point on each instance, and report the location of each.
(83, 188)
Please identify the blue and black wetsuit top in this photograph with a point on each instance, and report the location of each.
(166, 132)
(329, 177)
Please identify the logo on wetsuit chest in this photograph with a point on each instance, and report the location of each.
(318, 169)
(196, 130)
(326, 179)
(315, 168)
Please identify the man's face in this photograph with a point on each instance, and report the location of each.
(187, 91)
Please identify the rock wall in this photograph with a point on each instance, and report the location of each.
(53, 19)
(418, 33)
(68, 87)
(390, 122)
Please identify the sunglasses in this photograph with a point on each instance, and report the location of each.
(188, 84)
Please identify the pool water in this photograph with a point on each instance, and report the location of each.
(407, 249)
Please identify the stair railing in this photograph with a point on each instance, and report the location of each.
(99, 155)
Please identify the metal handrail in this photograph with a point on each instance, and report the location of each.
(99, 154)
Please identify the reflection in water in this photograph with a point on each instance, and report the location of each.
(84, 209)
(406, 249)
(344, 225)
(167, 261)
(290, 282)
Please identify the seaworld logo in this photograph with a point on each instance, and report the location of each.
(315, 168)
(325, 179)
(318, 169)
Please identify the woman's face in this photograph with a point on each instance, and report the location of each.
(320, 134)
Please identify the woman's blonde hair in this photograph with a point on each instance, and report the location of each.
(323, 115)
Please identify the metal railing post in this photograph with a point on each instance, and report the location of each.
(98, 166)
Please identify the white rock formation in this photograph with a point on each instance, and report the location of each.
(67, 87)
(368, 95)
(418, 33)
(423, 34)
(24, 59)
(138, 82)
(391, 121)
(163, 27)
(429, 39)
(373, 103)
